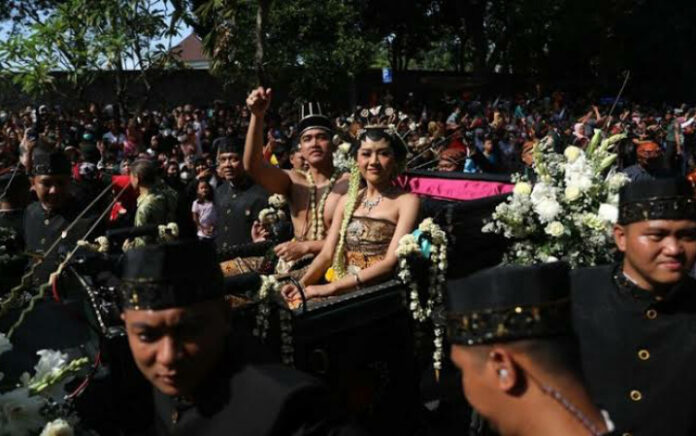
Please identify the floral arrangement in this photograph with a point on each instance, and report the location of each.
(274, 212)
(39, 401)
(341, 157)
(567, 214)
(429, 241)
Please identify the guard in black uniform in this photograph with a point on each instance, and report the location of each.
(238, 200)
(51, 324)
(636, 320)
(14, 197)
(55, 212)
(511, 337)
(203, 377)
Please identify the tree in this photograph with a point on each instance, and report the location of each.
(82, 37)
(313, 46)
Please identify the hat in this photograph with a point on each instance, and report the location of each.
(175, 274)
(228, 144)
(311, 117)
(50, 163)
(661, 199)
(508, 303)
(396, 141)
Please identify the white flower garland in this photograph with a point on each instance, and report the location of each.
(317, 213)
(269, 286)
(408, 246)
(287, 351)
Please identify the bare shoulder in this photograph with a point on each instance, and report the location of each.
(297, 177)
(341, 186)
(342, 183)
(408, 200)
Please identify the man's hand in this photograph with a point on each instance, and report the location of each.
(291, 250)
(29, 143)
(259, 100)
(258, 232)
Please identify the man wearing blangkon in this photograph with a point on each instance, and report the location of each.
(635, 320)
(204, 377)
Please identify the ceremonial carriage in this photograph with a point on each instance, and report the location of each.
(365, 344)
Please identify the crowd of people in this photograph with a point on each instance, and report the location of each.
(215, 171)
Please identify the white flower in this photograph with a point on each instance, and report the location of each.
(555, 229)
(616, 181)
(522, 189)
(572, 153)
(593, 221)
(547, 209)
(277, 201)
(50, 363)
(268, 216)
(20, 413)
(579, 174)
(103, 243)
(344, 147)
(551, 259)
(426, 225)
(5, 344)
(608, 212)
(542, 191)
(59, 427)
(572, 193)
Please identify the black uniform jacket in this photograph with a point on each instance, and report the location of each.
(638, 351)
(251, 399)
(42, 229)
(237, 209)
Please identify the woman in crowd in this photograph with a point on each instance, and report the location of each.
(370, 219)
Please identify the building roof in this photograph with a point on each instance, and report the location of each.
(190, 50)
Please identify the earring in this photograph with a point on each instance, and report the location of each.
(503, 373)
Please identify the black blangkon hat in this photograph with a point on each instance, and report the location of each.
(229, 144)
(50, 163)
(660, 199)
(507, 303)
(175, 274)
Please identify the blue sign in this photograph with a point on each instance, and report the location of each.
(386, 75)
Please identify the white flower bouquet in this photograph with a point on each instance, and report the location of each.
(39, 401)
(568, 212)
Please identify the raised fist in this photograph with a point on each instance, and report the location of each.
(259, 100)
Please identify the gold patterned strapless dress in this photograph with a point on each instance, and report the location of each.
(367, 241)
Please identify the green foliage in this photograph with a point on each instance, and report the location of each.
(81, 37)
(313, 46)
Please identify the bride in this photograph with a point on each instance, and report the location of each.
(369, 220)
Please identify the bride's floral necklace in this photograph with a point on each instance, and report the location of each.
(317, 213)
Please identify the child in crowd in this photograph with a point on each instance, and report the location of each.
(204, 210)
